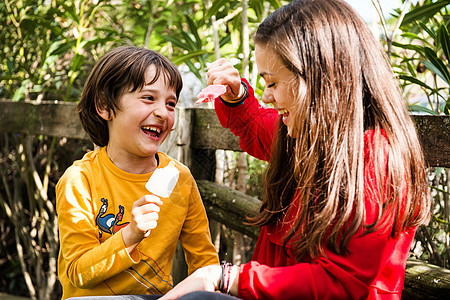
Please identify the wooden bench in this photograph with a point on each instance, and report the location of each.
(198, 134)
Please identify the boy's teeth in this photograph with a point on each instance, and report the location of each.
(284, 111)
(150, 128)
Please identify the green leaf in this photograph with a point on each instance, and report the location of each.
(444, 38)
(430, 32)
(185, 57)
(225, 40)
(426, 11)
(70, 13)
(438, 171)
(87, 44)
(415, 81)
(193, 69)
(77, 62)
(61, 49)
(447, 108)
(10, 65)
(411, 69)
(257, 6)
(20, 92)
(414, 36)
(192, 46)
(275, 3)
(416, 48)
(177, 42)
(194, 30)
(435, 70)
(421, 109)
(215, 7)
(436, 65)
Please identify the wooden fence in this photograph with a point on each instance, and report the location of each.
(198, 134)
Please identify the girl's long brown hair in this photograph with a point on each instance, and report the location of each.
(348, 88)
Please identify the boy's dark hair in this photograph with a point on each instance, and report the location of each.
(117, 72)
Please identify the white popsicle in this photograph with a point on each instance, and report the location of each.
(163, 180)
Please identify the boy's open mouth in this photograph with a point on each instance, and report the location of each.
(152, 131)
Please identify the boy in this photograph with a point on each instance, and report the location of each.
(116, 237)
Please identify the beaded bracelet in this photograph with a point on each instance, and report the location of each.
(224, 283)
(241, 99)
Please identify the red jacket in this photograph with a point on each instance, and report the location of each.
(375, 265)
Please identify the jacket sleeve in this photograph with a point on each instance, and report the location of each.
(253, 124)
(195, 236)
(87, 261)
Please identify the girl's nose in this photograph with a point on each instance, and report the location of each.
(267, 98)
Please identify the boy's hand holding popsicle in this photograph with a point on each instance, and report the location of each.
(145, 211)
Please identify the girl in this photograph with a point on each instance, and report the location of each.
(346, 185)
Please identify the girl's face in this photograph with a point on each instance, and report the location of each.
(280, 84)
(142, 123)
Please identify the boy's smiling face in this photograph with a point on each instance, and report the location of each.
(143, 122)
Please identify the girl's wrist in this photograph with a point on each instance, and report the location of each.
(243, 94)
(229, 279)
(234, 280)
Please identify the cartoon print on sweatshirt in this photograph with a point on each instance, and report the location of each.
(109, 223)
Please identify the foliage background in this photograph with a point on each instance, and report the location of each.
(49, 47)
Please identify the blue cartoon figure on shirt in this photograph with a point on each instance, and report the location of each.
(109, 223)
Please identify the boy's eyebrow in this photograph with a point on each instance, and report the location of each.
(147, 88)
(262, 74)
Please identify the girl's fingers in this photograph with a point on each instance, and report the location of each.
(218, 63)
(222, 72)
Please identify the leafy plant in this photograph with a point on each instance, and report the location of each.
(45, 46)
(423, 59)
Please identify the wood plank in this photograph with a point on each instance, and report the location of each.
(60, 119)
(229, 207)
(434, 134)
(209, 134)
(4, 296)
(433, 131)
(48, 118)
(422, 280)
(425, 281)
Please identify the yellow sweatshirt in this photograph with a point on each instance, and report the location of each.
(94, 201)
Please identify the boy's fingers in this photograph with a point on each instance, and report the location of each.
(150, 226)
(147, 222)
(152, 199)
(149, 217)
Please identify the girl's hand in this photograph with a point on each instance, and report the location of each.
(144, 218)
(203, 279)
(222, 72)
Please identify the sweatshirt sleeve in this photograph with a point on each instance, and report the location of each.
(87, 261)
(195, 236)
(327, 277)
(253, 124)
(374, 260)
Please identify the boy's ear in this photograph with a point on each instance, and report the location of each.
(103, 112)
